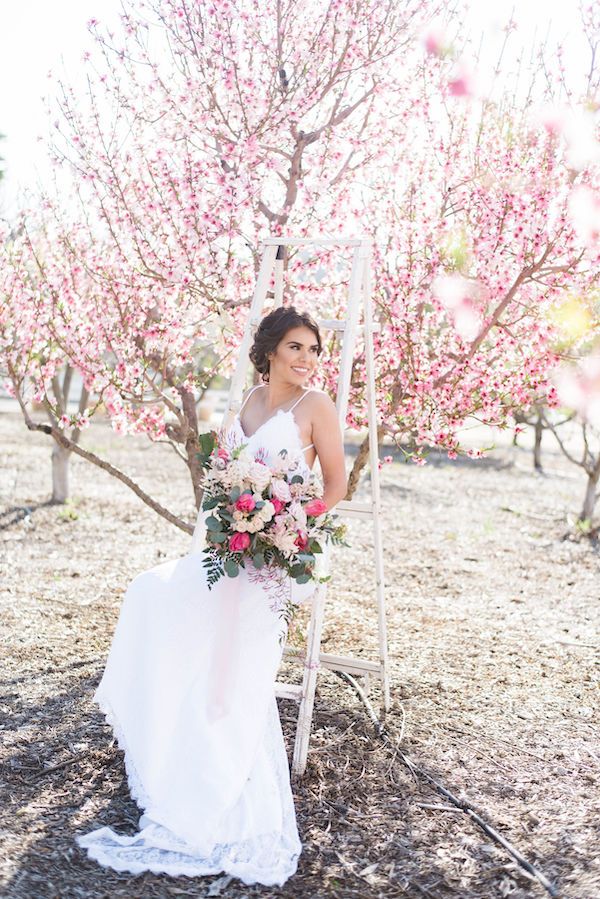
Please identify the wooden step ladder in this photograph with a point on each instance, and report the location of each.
(359, 297)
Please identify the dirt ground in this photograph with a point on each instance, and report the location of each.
(493, 641)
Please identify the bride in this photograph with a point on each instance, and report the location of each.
(188, 686)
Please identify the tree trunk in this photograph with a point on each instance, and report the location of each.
(589, 501)
(192, 449)
(362, 457)
(537, 447)
(60, 473)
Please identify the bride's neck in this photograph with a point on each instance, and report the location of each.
(279, 394)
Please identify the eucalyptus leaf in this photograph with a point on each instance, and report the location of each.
(303, 579)
(213, 523)
(231, 568)
(305, 557)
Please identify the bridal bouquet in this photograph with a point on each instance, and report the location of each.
(269, 516)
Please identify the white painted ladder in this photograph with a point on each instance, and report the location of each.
(359, 294)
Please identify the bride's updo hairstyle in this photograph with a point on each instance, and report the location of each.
(273, 329)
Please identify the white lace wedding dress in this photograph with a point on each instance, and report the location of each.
(189, 691)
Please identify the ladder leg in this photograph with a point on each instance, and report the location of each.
(375, 492)
(309, 682)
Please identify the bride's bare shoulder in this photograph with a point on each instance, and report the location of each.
(247, 392)
(320, 402)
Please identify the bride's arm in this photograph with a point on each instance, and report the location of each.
(329, 445)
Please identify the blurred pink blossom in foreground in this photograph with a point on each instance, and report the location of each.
(458, 295)
(462, 82)
(584, 209)
(436, 42)
(579, 387)
(577, 127)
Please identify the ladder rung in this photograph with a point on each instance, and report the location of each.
(336, 663)
(332, 324)
(288, 691)
(335, 324)
(318, 241)
(348, 664)
(353, 509)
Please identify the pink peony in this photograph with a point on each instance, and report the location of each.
(239, 542)
(315, 507)
(245, 503)
(277, 504)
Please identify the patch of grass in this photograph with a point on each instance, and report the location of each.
(68, 512)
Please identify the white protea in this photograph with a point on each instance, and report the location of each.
(285, 543)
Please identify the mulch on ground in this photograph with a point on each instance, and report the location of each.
(492, 611)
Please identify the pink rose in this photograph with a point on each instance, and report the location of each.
(239, 542)
(278, 505)
(302, 540)
(222, 453)
(245, 503)
(315, 507)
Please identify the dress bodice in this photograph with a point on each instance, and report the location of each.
(278, 432)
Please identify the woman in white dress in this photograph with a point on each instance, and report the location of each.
(189, 682)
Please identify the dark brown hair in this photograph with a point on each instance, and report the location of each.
(272, 329)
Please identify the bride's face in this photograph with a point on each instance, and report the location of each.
(295, 357)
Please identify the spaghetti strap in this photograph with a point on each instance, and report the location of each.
(307, 447)
(299, 400)
(249, 395)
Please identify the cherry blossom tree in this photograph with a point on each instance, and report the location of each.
(146, 252)
(206, 127)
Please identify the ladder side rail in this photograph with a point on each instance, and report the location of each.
(279, 267)
(309, 681)
(349, 340)
(375, 491)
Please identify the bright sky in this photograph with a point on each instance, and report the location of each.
(38, 35)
